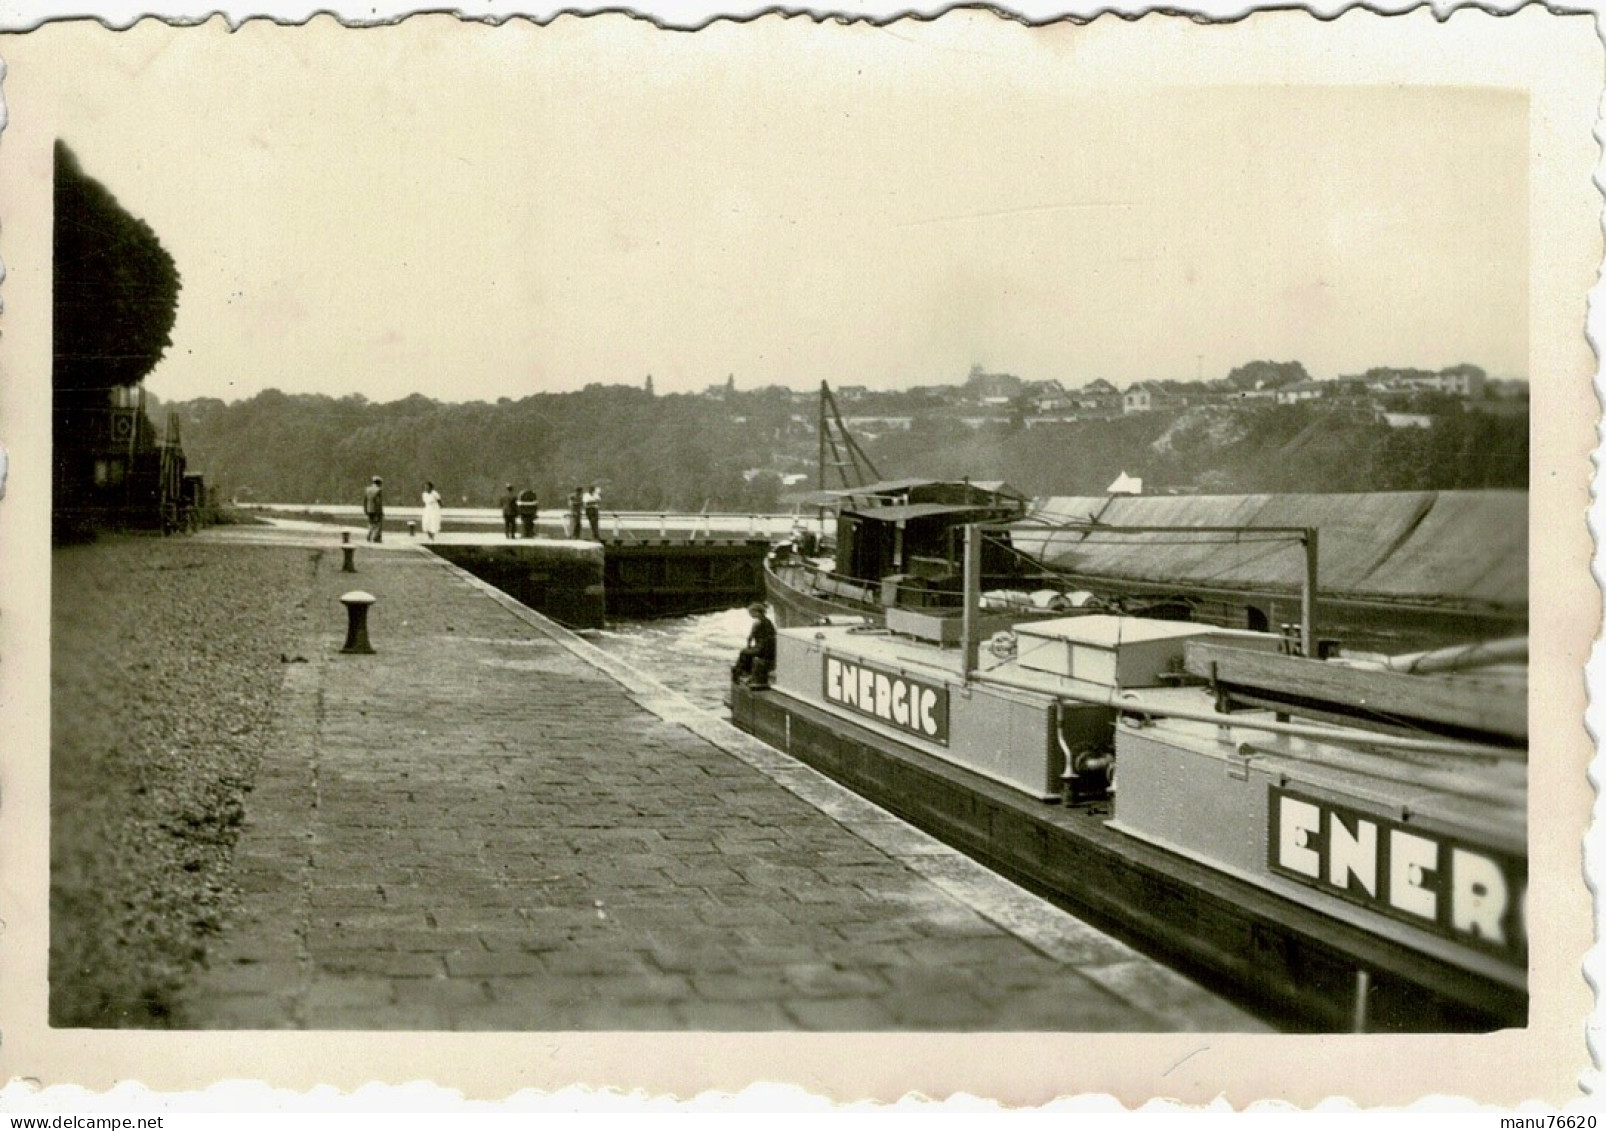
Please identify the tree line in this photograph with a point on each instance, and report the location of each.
(688, 452)
(647, 452)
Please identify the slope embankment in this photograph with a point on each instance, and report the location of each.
(167, 660)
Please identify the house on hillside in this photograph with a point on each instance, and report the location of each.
(1301, 391)
(1049, 396)
(1465, 381)
(982, 387)
(1223, 390)
(1152, 396)
(1149, 396)
(1097, 399)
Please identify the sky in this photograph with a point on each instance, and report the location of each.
(473, 212)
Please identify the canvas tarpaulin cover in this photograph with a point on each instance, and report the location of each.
(1456, 547)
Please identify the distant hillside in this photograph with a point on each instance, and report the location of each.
(1231, 450)
(648, 452)
(687, 452)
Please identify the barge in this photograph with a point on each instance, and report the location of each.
(899, 543)
(896, 543)
(1340, 845)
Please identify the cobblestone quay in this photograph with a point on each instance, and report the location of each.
(488, 824)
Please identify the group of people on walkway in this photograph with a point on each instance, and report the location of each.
(518, 509)
(757, 659)
(373, 509)
(584, 509)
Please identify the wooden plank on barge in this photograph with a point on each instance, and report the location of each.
(1467, 705)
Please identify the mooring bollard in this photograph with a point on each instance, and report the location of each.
(357, 603)
(349, 563)
(412, 529)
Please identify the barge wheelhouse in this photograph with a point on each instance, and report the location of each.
(898, 543)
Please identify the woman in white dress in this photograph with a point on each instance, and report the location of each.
(432, 511)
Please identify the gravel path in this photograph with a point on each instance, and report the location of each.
(167, 660)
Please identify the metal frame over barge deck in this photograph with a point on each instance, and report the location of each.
(1368, 876)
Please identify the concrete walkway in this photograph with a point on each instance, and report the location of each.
(491, 825)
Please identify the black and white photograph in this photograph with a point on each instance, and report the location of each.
(914, 556)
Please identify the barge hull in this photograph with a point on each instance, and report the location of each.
(1302, 969)
(796, 608)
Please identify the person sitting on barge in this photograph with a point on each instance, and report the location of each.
(757, 660)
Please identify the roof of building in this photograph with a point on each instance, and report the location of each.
(907, 512)
(903, 486)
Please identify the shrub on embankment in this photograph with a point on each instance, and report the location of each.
(165, 674)
(225, 514)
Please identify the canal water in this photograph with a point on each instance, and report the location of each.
(689, 655)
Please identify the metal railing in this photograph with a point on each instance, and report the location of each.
(665, 526)
(619, 525)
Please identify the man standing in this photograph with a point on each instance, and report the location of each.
(593, 505)
(574, 513)
(529, 510)
(510, 512)
(373, 505)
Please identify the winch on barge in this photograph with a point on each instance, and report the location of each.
(1339, 844)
